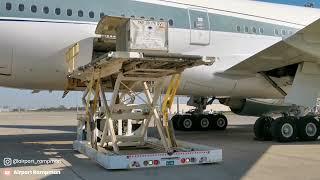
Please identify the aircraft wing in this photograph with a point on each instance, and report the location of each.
(304, 46)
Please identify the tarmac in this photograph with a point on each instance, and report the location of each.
(40, 147)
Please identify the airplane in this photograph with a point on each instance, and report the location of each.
(308, 3)
(267, 55)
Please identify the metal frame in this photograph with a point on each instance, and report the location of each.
(119, 110)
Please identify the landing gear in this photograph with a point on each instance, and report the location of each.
(220, 122)
(262, 128)
(308, 128)
(287, 128)
(284, 129)
(185, 123)
(197, 119)
(202, 122)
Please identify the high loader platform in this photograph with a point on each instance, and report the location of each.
(114, 133)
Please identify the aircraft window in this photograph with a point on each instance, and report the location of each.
(254, 30)
(142, 17)
(21, 7)
(276, 32)
(58, 11)
(161, 19)
(69, 12)
(133, 16)
(91, 14)
(261, 30)
(102, 14)
(238, 28)
(80, 13)
(152, 18)
(34, 8)
(8, 6)
(171, 22)
(46, 10)
(246, 29)
(283, 32)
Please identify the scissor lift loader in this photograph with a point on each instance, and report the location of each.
(136, 74)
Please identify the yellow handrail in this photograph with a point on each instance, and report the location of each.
(167, 103)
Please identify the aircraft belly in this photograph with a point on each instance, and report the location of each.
(201, 81)
(255, 87)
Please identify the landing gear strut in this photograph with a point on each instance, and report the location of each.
(197, 119)
(287, 128)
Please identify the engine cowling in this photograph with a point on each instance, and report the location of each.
(256, 107)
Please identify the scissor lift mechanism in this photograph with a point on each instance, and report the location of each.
(134, 76)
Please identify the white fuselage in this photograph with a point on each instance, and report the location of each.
(34, 54)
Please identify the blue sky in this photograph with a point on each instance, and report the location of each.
(25, 99)
(294, 2)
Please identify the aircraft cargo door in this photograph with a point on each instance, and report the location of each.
(6, 61)
(199, 27)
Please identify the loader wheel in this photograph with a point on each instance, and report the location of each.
(308, 128)
(284, 129)
(186, 123)
(262, 127)
(220, 122)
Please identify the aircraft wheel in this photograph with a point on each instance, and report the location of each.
(308, 128)
(284, 129)
(262, 127)
(220, 122)
(186, 123)
(175, 121)
(204, 122)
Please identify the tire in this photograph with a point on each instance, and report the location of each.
(308, 128)
(212, 118)
(204, 122)
(186, 123)
(262, 127)
(175, 121)
(284, 129)
(220, 122)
